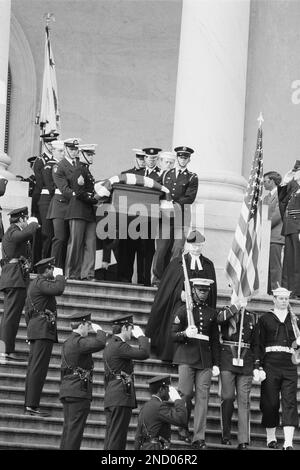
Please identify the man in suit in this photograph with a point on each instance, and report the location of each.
(236, 372)
(183, 186)
(77, 377)
(197, 356)
(165, 408)
(81, 215)
(47, 194)
(41, 320)
(272, 180)
(289, 204)
(14, 278)
(119, 398)
(62, 177)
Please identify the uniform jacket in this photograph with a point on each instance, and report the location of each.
(134, 170)
(156, 174)
(38, 166)
(156, 417)
(289, 199)
(197, 353)
(62, 174)
(225, 316)
(271, 332)
(77, 352)
(183, 188)
(41, 296)
(275, 217)
(15, 244)
(81, 205)
(118, 356)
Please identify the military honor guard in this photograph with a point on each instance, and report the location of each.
(183, 186)
(62, 177)
(14, 278)
(81, 215)
(120, 399)
(195, 332)
(276, 352)
(237, 335)
(3, 183)
(41, 320)
(171, 294)
(77, 377)
(165, 408)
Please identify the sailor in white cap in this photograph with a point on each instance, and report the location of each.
(277, 336)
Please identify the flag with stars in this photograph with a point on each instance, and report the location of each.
(242, 263)
(49, 113)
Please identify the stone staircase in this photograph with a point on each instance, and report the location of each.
(105, 301)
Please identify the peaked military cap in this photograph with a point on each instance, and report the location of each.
(90, 148)
(73, 142)
(202, 283)
(32, 159)
(183, 151)
(50, 136)
(296, 165)
(128, 320)
(195, 237)
(160, 380)
(45, 263)
(139, 153)
(151, 151)
(21, 212)
(79, 316)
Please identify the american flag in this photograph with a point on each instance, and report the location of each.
(49, 113)
(241, 267)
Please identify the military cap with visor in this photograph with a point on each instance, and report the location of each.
(124, 320)
(183, 151)
(21, 212)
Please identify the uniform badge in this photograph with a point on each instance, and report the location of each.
(177, 320)
(55, 169)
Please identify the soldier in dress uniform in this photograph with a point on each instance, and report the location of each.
(289, 204)
(62, 177)
(41, 319)
(3, 183)
(15, 274)
(276, 352)
(119, 398)
(77, 377)
(128, 248)
(236, 372)
(183, 186)
(197, 356)
(47, 194)
(81, 215)
(165, 408)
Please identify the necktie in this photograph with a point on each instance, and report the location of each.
(74, 163)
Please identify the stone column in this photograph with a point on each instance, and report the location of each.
(210, 114)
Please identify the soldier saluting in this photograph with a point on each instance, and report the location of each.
(41, 318)
(120, 399)
(77, 377)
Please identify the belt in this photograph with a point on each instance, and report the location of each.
(200, 336)
(235, 343)
(45, 191)
(280, 349)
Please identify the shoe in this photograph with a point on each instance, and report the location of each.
(225, 441)
(12, 357)
(243, 446)
(273, 445)
(184, 435)
(199, 445)
(33, 411)
(288, 448)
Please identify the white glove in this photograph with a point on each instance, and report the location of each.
(32, 219)
(96, 327)
(191, 331)
(183, 296)
(57, 271)
(80, 180)
(137, 331)
(288, 177)
(256, 375)
(299, 237)
(262, 375)
(215, 371)
(298, 339)
(174, 395)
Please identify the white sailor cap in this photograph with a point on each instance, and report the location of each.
(139, 153)
(281, 291)
(203, 283)
(73, 142)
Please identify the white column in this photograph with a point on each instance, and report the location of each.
(210, 113)
(5, 8)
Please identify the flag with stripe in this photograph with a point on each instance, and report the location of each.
(242, 263)
(49, 113)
